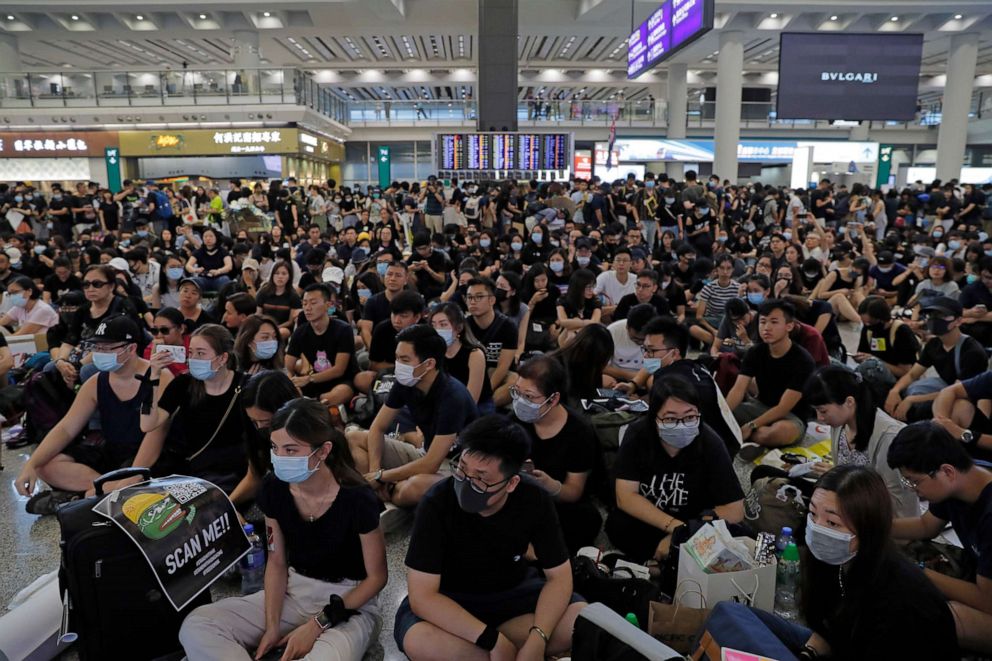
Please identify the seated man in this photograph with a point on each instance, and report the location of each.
(405, 309)
(976, 299)
(497, 334)
(439, 405)
(320, 357)
(237, 308)
(473, 593)
(952, 354)
(887, 348)
(712, 299)
(965, 410)
(779, 368)
(116, 396)
(938, 467)
(645, 291)
(628, 336)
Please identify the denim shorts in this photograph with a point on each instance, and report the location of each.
(493, 608)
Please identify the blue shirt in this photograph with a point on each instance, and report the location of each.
(447, 408)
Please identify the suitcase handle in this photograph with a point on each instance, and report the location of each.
(120, 474)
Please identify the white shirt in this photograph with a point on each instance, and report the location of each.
(43, 314)
(626, 354)
(607, 283)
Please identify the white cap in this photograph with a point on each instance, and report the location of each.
(120, 264)
(333, 275)
(14, 254)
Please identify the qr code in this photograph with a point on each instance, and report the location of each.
(184, 492)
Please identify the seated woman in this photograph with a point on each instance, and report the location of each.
(563, 449)
(585, 360)
(322, 522)
(938, 283)
(860, 432)
(199, 414)
(263, 395)
(28, 313)
(278, 299)
(166, 293)
(861, 599)
(169, 329)
(190, 297)
(670, 469)
(579, 307)
(538, 288)
(260, 346)
(115, 396)
(464, 359)
(844, 286)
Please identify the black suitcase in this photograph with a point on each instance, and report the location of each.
(116, 606)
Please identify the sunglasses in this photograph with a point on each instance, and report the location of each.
(161, 330)
(95, 284)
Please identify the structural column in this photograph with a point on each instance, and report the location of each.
(497, 87)
(953, 134)
(10, 63)
(247, 58)
(729, 79)
(678, 100)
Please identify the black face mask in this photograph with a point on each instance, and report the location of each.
(938, 326)
(877, 329)
(500, 295)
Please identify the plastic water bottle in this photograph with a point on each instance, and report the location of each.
(783, 540)
(787, 583)
(253, 564)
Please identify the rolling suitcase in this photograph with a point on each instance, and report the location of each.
(116, 606)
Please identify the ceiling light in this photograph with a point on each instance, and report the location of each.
(774, 15)
(894, 18)
(203, 17)
(834, 17)
(74, 17)
(266, 14)
(139, 17)
(958, 17)
(10, 17)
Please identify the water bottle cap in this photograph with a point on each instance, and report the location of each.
(786, 530)
(249, 529)
(791, 552)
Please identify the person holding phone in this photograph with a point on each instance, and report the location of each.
(170, 333)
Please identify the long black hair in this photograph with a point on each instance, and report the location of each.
(577, 284)
(833, 385)
(309, 421)
(268, 391)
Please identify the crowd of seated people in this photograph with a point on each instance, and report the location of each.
(362, 363)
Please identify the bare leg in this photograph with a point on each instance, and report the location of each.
(843, 307)
(426, 642)
(364, 381)
(775, 435)
(65, 474)
(560, 640)
(340, 394)
(702, 335)
(358, 442)
(973, 626)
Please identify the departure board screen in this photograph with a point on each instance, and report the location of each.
(504, 151)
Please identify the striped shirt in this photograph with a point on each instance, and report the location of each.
(716, 297)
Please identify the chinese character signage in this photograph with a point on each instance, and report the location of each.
(204, 142)
(56, 143)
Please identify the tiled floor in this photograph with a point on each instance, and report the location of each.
(29, 547)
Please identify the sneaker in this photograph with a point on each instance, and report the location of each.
(393, 518)
(46, 502)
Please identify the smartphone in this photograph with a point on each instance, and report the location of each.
(178, 353)
(528, 466)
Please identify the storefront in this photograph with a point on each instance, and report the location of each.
(50, 157)
(259, 153)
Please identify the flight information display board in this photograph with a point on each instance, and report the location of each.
(674, 25)
(504, 151)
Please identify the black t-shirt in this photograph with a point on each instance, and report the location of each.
(278, 306)
(329, 548)
(84, 325)
(210, 261)
(975, 294)
(446, 409)
(500, 335)
(776, 375)
(901, 352)
(322, 350)
(628, 301)
(972, 359)
(571, 450)
(700, 477)
(457, 367)
(474, 554)
(195, 424)
(589, 306)
(376, 309)
(57, 288)
(383, 347)
(973, 524)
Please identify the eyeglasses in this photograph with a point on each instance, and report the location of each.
(648, 351)
(516, 394)
(161, 330)
(672, 423)
(477, 298)
(478, 486)
(909, 484)
(95, 284)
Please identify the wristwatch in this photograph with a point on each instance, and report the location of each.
(967, 437)
(378, 476)
(322, 620)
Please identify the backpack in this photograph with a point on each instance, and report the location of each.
(46, 399)
(610, 427)
(163, 207)
(622, 595)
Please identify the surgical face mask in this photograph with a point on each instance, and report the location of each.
(447, 334)
(106, 361)
(582, 260)
(787, 235)
(364, 293)
(830, 546)
(704, 212)
(555, 243)
(669, 200)
(39, 250)
(142, 233)
(381, 268)
(18, 198)
(56, 197)
(332, 310)
(721, 239)
(469, 499)
(516, 246)
(537, 238)
(201, 369)
(954, 244)
(17, 300)
(485, 243)
(404, 374)
(884, 269)
(680, 436)
(938, 235)
(938, 326)
(292, 469)
(265, 349)
(528, 411)
(971, 278)
(755, 298)
(652, 365)
(557, 267)
(175, 273)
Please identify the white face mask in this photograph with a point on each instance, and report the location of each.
(830, 546)
(404, 374)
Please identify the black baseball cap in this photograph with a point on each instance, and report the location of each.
(118, 328)
(885, 258)
(945, 307)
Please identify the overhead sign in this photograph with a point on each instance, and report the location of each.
(56, 143)
(112, 158)
(671, 27)
(754, 151)
(205, 142)
(385, 167)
